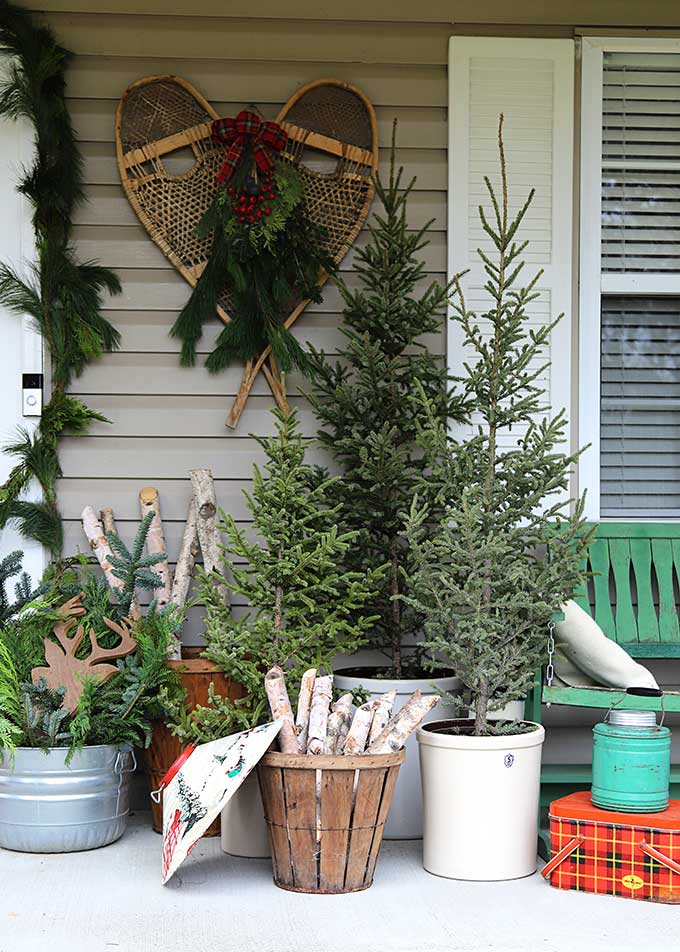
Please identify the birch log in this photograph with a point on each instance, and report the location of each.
(318, 714)
(277, 694)
(206, 522)
(188, 553)
(394, 735)
(108, 522)
(304, 705)
(338, 725)
(355, 742)
(155, 542)
(99, 544)
(382, 714)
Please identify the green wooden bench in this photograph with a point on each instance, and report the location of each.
(632, 595)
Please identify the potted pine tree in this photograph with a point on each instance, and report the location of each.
(304, 606)
(482, 582)
(365, 404)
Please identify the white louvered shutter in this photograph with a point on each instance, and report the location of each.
(531, 82)
(630, 310)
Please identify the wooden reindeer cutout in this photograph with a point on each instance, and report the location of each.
(64, 670)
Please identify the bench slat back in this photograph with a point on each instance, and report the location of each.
(635, 584)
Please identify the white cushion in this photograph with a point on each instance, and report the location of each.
(586, 646)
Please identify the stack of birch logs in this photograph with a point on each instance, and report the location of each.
(321, 727)
(201, 536)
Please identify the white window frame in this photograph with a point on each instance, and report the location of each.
(592, 283)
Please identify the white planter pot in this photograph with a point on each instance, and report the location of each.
(480, 798)
(405, 820)
(243, 829)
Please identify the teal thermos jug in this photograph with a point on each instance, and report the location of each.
(632, 760)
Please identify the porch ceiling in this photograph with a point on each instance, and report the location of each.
(654, 13)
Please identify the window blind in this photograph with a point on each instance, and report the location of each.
(640, 406)
(641, 162)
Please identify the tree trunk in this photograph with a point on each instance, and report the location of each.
(155, 541)
(481, 708)
(395, 608)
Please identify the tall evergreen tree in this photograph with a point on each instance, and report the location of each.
(483, 583)
(365, 404)
(304, 607)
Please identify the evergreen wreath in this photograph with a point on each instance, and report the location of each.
(265, 250)
(64, 296)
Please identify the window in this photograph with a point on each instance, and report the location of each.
(629, 404)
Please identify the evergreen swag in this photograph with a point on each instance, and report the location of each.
(265, 250)
(64, 297)
(482, 581)
(367, 407)
(304, 607)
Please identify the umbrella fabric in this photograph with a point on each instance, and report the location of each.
(203, 785)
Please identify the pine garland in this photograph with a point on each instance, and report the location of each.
(64, 296)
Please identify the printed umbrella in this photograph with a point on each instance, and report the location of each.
(199, 784)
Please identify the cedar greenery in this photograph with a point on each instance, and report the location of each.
(304, 607)
(118, 711)
(267, 267)
(63, 296)
(365, 402)
(482, 581)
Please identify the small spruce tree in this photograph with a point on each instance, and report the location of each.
(364, 402)
(303, 606)
(483, 583)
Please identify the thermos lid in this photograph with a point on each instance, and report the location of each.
(641, 719)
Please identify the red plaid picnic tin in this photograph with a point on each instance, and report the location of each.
(636, 855)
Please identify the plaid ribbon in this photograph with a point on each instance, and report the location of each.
(264, 138)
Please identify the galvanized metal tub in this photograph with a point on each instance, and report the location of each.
(47, 806)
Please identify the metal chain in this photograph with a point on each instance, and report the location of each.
(549, 668)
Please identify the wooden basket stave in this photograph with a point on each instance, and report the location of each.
(325, 817)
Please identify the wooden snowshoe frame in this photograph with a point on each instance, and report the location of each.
(160, 115)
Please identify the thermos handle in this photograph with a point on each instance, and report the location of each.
(645, 692)
(563, 854)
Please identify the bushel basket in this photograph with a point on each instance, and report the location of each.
(325, 817)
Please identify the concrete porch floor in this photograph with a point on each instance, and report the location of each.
(111, 900)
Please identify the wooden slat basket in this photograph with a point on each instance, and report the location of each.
(325, 817)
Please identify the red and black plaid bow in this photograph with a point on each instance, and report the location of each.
(247, 128)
